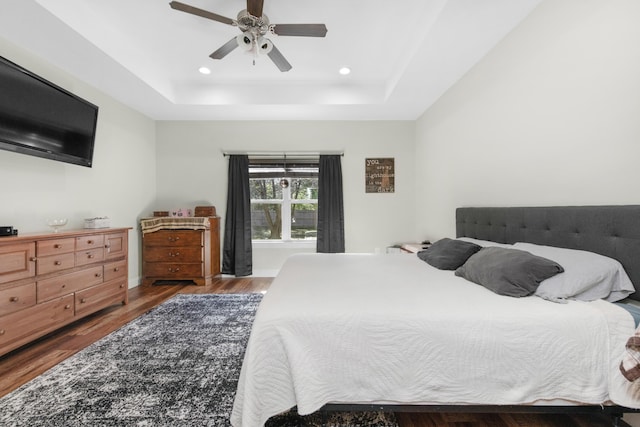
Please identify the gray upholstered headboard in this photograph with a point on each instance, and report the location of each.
(613, 231)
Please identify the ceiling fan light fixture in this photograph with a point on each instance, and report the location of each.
(245, 40)
(204, 70)
(264, 45)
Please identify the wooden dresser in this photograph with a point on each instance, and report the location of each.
(50, 280)
(171, 252)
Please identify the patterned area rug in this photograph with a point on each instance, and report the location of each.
(177, 365)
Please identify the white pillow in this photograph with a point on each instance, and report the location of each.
(484, 243)
(587, 276)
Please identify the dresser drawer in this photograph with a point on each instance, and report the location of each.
(173, 254)
(174, 238)
(68, 283)
(172, 271)
(48, 264)
(89, 242)
(89, 256)
(55, 246)
(17, 298)
(115, 245)
(22, 326)
(115, 270)
(100, 296)
(16, 261)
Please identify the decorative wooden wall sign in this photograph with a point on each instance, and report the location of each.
(380, 175)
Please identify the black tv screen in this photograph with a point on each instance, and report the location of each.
(41, 119)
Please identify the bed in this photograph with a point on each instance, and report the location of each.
(364, 330)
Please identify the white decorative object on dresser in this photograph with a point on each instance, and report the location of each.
(50, 280)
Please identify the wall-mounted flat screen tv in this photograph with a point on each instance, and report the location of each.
(39, 118)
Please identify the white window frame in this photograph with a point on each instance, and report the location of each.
(285, 212)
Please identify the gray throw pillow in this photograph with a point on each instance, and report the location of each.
(510, 272)
(448, 254)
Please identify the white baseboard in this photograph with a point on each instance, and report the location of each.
(257, 273)
(135, 281)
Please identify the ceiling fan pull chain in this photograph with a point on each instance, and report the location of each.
(255, 51)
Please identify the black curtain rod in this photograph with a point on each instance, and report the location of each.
(281, 154)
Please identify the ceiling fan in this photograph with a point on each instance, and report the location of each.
(254, 26)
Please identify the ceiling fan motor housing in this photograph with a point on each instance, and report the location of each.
(248, 22)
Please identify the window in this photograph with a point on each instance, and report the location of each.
(284, 199)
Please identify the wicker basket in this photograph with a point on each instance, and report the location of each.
(98, 222)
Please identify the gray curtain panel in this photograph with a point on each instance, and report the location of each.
(237, 253)
(330, 205)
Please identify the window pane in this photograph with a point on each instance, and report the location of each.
(265, 189)
(279, 213)
(266, 221)
(304, 188)
(304, 221)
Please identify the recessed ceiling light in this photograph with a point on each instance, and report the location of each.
(344, 71)
(204, 70)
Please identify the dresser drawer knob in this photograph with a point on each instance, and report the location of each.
(116, 269)
(121, 286)
(174, 270)
(33, 259)
(98, 274)
(2, 331)
(90, 256)
(57, 246)
(67, 307)
(83, 300)
(14, 299)
(173, 239)
(174, 254)
(57, 263)
(63, 286)
(89, 242)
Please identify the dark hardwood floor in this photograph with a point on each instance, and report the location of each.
(26, 363)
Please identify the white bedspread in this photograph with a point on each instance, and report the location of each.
(362, 328)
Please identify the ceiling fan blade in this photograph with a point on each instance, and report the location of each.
(254, 7)
(279, 60)
(200, 12)
(304, 30)
(225, 49)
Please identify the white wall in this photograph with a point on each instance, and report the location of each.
(121, 184)
(549, 117)
(191, 170)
